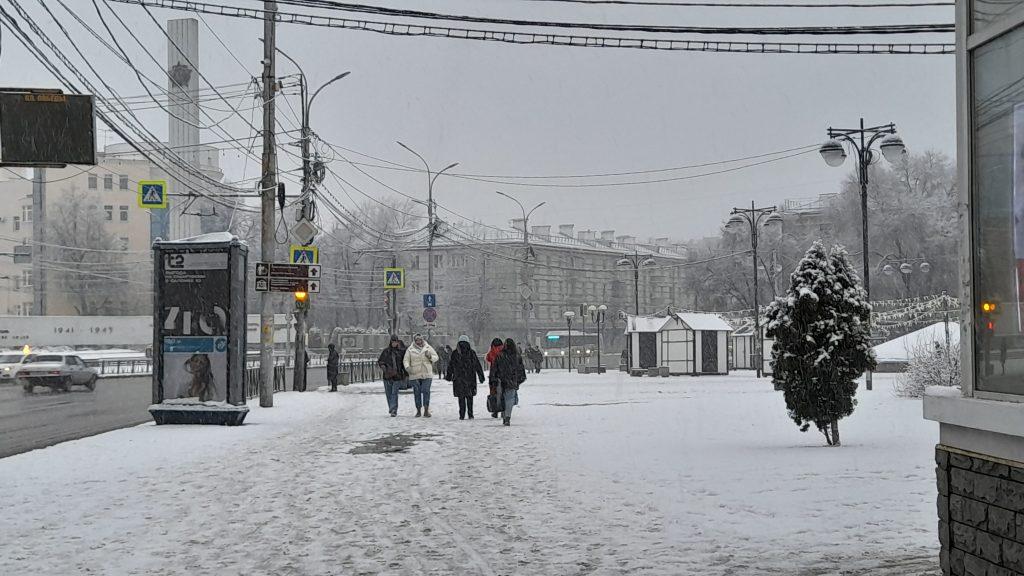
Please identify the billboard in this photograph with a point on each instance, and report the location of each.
(46, 128)
(199, 321)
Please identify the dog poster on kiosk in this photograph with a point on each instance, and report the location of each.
(199, 323)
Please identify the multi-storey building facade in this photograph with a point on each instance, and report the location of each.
(508, 282)
(97, 237)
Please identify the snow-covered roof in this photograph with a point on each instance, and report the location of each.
(900, 349)
(704, 321)
(646, 323)
(210, 238)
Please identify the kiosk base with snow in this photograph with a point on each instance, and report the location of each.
(192, 412)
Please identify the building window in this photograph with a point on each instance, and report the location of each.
(124, 182)
(438, 260)
(17, 223)
(92, 181)
(109, 211)
(26, 278)
(415, 262)
(997, 110)
(124, 213)
(108, 182)
(123, 242)
(26, 213)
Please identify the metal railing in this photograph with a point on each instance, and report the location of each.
(252, 380)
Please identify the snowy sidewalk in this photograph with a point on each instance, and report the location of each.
(602, 475)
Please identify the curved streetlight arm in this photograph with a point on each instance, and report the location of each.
(442, 171)
(530, 213)
(512, 198)
(325, 85)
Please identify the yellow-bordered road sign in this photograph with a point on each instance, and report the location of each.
(153, 193)
(303, 254)
(394, 278)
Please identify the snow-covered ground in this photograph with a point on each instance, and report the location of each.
(597, 475)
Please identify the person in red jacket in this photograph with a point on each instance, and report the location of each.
(492, 356)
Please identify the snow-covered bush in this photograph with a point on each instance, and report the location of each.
(822, 343)
(930, 365)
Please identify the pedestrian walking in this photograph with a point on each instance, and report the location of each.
(493, 400)
(535, 356)
(444, 356)
(393, 369)
(463, 372)
(333, 358)
(510, 374)
(419, 364)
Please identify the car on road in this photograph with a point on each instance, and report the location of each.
(57, 372)
(9, 364)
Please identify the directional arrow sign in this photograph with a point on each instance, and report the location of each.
(288, 270)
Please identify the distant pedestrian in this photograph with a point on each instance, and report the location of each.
(493, 400)
(419, 364)
(463, 372)
(393, 369)
(444, 356)
(510, 373)
(332, 367)
(535, 356)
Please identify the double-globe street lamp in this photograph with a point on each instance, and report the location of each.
(892, 263)
(635, 261)
(755, 218)
(569, 315)
(861, 140)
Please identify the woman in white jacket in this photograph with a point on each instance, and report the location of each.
(419, 363)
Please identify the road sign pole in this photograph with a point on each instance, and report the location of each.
(268, 191)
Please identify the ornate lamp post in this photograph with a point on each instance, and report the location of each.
(569, 315)
(636, 261)
(752, 217)
(597, 315)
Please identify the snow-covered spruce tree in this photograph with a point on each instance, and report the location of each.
(821, 340)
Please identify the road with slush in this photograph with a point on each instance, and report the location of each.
(44, 418)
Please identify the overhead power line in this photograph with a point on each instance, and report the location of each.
(648, 28)
(566, 40)
(685, 4)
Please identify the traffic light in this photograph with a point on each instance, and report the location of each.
(988, 311)
(301, 300)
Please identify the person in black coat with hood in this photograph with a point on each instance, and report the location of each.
(510, 373)
(464, 371)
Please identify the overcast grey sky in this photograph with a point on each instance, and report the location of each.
(507, 109)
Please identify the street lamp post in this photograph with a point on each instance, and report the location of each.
(569, 315)
(891, 263)
(597, 315)
(636, 262)
(752, 217)
(306, 211)
(431, 214)
(525, 276)
(861, 140)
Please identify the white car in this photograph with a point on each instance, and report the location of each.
(9, 364)
(56, 372)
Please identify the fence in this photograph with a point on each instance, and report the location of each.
(252, 380)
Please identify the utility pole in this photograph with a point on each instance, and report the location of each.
(268, 192)
(38, 241)
(394, 300)
(431, 214)
(526, 278)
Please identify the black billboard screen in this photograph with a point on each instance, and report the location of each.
(46, 129)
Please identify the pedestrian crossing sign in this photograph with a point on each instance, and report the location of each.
(304, 254)
(394, 278)
(153, 194)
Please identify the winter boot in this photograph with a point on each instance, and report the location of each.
(426, 411)
(417, 412)
(506, 421)
(494, 414)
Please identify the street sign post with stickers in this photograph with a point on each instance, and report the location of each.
(152, 194)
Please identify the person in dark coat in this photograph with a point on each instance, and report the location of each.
(510, 373)
(390, 362)
(444, 355)
(463, 372)
(333, 360)
(491, 358)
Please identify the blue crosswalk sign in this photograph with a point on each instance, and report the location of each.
(152, 194)
(394, 278)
